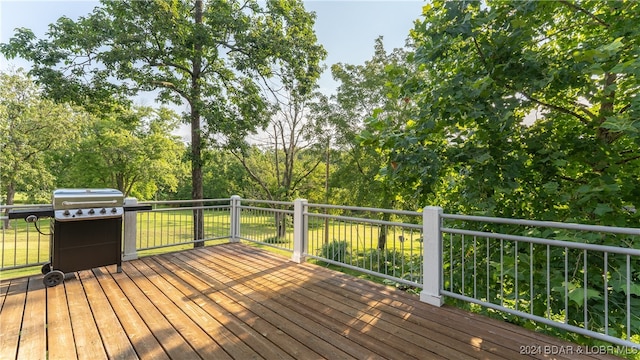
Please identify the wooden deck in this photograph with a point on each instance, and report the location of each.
(237, 302)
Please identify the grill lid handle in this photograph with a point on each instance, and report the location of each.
(89, 203)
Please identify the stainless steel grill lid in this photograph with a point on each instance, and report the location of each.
(86, 198)
(85, 204)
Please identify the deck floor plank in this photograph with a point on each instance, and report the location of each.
(33, 336)
(396, 322)
(217, 314)
(115, 340)
(141, 337)
(262, 306)
(289, 308)
(60, 341)
(270, 298)
(401, 305)
(382, 334)
(195, 336)
(209, 336)
(4, 288)
(261, 330)
(503, 339)
(168, 337)
(465, 331)
(346, 319)
(88, 343)
(239, 302)
(11, 317)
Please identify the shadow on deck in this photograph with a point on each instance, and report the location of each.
(237, 302)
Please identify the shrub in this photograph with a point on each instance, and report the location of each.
(336, 250)
(276, 240)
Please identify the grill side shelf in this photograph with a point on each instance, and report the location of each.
(128, 208)
(37, 212)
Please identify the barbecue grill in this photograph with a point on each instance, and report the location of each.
(86, 230)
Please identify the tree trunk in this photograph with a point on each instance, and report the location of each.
(11, 193)
(387, 203)
(281, 224)
(197, 191)
(382, 237)
(326, 194)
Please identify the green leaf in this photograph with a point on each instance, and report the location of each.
(551, 187)
(576, 295)
(621, 286)
(482, 158)
(613, 46)
(620, 125)
(602, 209)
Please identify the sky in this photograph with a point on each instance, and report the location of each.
(346, 28)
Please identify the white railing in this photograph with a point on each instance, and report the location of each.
(171, 224)
(380, 242)
(23, 244)
(580, 278)
(562, 275)
(268, 223)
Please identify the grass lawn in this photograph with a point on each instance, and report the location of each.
(172, 230)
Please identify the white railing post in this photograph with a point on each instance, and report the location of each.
(299, 231)
(432, 257)
(235, 218)
(130, 251)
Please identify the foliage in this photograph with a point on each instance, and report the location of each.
(335, 250)
(265, 177)
(361, 168)
(288, 138)
(483, 72)
(549, 281)
(131, 150)
(389, 262)
(209, 56)
(276, 240)
(525, 110)
(33, 129)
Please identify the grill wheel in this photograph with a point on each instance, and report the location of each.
(46, 268)
(53, 278)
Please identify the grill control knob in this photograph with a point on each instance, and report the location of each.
(66, 212)
(114, 210)
(79, 212)
(103, 211)
(91, 211)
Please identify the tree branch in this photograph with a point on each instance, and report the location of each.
(582, 119)
(295, 184)
(625, 108)
(628, 160)
(172, 86)
(584, 11)
(255, 178)
(171, 64)
(480, 52)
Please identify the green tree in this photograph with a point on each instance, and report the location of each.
(290, 145)
(484, 69)
(473, 144)
(32, 128)
(363, 167)
(132, 151)
(223, 176)
(291, 138)
(362, 176)
(204, 54)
